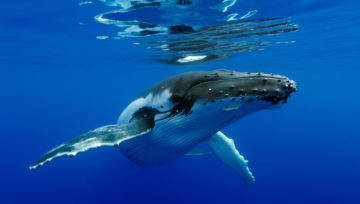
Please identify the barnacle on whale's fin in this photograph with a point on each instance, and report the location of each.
(224, 148)
(110, 135)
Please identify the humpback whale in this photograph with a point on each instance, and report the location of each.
(172, 117)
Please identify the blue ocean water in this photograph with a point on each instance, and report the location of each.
(57, 81)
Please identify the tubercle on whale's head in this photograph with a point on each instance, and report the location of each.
(240, 87)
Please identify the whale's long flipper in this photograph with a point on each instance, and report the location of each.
(110, 135)
(224, 148)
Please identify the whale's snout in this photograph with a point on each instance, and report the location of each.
(275, 88)
(224, 84)
(290, 87)
(235, 89)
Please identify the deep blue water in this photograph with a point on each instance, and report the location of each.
(58, 81)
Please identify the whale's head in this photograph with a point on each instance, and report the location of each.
(235, 89)
(212, 95)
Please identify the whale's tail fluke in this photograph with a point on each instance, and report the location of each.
(110, 135)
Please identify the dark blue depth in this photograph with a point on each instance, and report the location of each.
(58, 81)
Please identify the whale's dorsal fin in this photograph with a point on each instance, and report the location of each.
(224, 148)
(109, 135)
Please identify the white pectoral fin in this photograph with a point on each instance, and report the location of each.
(110, 135)
(224, 148)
